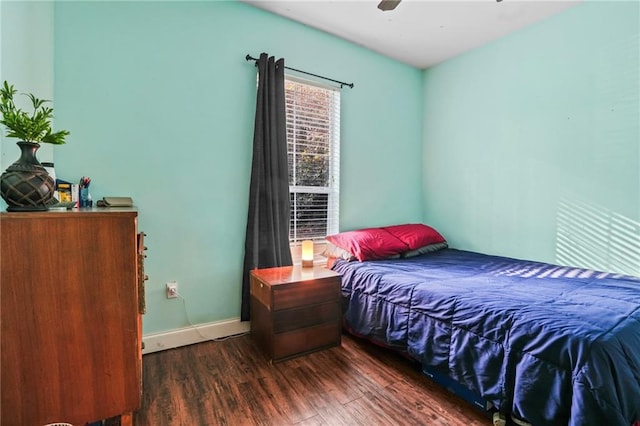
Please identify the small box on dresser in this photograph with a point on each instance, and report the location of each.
(295, 310)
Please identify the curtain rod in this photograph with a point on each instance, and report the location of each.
(341, 83)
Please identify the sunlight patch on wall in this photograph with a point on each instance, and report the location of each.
(594, 237)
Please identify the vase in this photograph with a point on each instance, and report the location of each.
(26, 185)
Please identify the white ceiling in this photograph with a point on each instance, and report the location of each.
(420, 33)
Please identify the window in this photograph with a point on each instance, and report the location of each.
(313, 143)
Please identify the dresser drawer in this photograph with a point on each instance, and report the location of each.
(306, 316)
(306, 293)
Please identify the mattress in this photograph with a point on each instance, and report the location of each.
(545, 343)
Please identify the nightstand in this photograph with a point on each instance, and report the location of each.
(295, 310)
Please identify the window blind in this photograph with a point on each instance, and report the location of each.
(313, 144)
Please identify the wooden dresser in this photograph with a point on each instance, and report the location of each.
(70, 316)
(295, 310)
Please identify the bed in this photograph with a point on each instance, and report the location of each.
(547, 344)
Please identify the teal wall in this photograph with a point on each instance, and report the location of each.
(532, 145)
(26, 61)
(160, 104)
(526, 147)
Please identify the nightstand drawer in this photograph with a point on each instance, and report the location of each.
(306, 316)
(305, 340)
(307, 293)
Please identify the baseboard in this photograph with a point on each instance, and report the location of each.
(190, 335)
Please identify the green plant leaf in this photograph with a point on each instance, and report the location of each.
(56, 138)
(29, 128)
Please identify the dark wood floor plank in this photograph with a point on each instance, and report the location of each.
(306, 382)
(279, 389)
(336, 380)
(339, 415)
(375, 364)
(428, 397)
(231, 383)
(367, 412)
(312, 421)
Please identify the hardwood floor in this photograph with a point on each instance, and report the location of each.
(230, 383)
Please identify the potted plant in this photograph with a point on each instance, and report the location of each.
(25, 185)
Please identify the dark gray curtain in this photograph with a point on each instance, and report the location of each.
(267, 238)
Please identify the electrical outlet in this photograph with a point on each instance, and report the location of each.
(172, 290)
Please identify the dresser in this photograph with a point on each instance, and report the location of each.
(295, 310)
(71, 305)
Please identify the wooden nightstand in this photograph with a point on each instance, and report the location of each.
(295, 310)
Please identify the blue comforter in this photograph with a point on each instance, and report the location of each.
(553, 345)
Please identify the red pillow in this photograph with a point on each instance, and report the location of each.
(368, 244)
(415, 235)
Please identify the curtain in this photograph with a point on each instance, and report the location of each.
(267, 237)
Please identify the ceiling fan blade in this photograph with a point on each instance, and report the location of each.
(388, 4)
